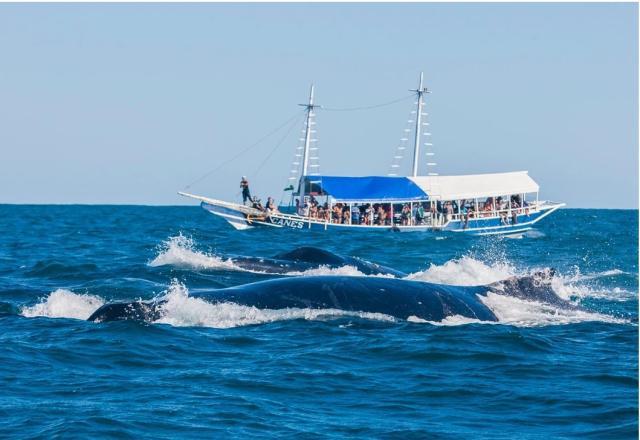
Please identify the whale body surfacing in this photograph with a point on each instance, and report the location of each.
(306, 258)
(401, 299)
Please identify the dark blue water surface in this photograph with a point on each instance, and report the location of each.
(231, 371)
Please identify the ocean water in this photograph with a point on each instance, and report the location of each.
(207, 370)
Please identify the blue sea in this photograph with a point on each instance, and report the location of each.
(228, 371)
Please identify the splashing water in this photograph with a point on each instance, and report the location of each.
(520, 313)
(180, 251)
(64, 304)
(336, 271)
(465, 271)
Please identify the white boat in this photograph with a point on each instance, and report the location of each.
(480, 204)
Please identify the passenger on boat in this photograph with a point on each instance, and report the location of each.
(515, 204)
(336, 214)
(448, 207)
(355, 215)
(256, 204)
(487, 207)
(469, 213)
(299, 209)
(246, 194)
(433, 209)
(368, 214)
(382, 216)
(501, 206)
(405, 215)
(326, 213)
(420, 214)
(271, 205)
(305, 210)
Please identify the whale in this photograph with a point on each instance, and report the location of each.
(306, 258)
(399, 298)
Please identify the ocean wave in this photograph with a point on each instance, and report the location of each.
(54, 268)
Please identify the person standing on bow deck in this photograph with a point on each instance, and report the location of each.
(246, 194)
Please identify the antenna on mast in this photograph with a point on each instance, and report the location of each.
(420, 91)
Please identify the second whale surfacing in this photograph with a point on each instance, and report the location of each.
(401, 299)
(308, 258)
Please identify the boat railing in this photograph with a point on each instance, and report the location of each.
(438, 220)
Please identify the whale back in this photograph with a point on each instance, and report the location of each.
(398, 298)
(394, 297)
(310, 254)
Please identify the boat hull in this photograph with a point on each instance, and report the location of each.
(240, 219)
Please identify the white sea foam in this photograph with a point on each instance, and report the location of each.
(336, 271)
(521, 313)
(465, 271)
(180, 251)
(592, 276)
(449, 321)
(468, 271)
(326, 270)
(570, 290)
(64, 304)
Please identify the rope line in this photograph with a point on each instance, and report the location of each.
(245, 150)
(367, 107)
(280, 142)
(280, 127)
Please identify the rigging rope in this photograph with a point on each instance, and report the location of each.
(280, 142)
(367, 107)
(245, 150)
(284, 124)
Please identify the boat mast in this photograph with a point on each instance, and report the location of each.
(307, 140)
(420, 91)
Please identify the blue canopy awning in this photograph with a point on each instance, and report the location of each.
(367, 189)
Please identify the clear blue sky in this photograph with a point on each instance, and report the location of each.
(122, 103)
